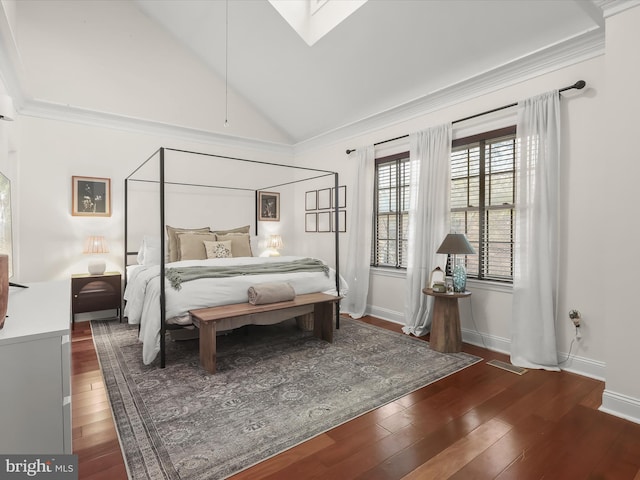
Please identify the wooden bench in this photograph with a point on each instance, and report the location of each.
(206, 318)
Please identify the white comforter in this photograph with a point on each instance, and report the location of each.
(142, 294)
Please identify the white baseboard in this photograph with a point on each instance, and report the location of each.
(490, 342)
(586, 367)
(575, 364)
(620, 405)
(385, 314)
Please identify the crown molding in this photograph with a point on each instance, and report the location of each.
(11, 74)
(554, 57)
(68, 113)
(577, 49)
(613, 7)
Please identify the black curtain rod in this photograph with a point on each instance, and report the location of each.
(579, 85)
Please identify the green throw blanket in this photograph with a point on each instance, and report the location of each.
(179, 275)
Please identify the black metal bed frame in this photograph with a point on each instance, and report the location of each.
(162, 182)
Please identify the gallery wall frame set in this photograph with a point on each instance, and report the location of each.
(325, 198)
(91, 196)
(319, 208)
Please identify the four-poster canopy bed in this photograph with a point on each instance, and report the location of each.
(168, 175)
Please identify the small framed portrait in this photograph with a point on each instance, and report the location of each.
(268, 206)
(91, 197)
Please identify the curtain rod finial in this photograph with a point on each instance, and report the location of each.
(350, 150)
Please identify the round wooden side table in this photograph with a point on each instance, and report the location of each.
(445, 326)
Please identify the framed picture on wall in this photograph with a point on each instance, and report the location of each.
(311, 200)
(311, 222)
(268, 206)
(342, 221)
(342, 196)
(324, 221)
(91, 196)
(324, 199)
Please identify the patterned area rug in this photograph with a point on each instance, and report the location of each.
(276, 387)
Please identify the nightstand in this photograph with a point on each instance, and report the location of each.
(91, 293)
(445, 328)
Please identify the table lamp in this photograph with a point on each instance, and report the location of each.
(275, 244)
(96, 244)
(457, 244)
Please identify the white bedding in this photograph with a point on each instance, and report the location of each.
(142, 293)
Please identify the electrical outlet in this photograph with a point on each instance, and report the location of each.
(575, 317)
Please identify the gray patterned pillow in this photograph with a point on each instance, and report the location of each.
(218, 249)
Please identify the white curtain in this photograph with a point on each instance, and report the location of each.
(533, 342)
(360, 230)
(430, 157)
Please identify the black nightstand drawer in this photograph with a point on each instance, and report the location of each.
(92, 293)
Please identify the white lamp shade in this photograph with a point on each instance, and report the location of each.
(274, 244)
(96, 244)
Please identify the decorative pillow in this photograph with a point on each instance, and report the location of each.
(149, 251)
(240, 245)
(191, 245)
(218, 249)
(244, 229)
(172, 232)
(140, 257)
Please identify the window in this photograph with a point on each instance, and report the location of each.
(482, 201)
(391, 211)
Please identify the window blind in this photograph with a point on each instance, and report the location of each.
(391, 209)
(482, 201)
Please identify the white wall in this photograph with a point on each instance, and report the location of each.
(138, 71)
(580, 207)
(50, 152)
(618, 192)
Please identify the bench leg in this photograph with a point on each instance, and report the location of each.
(323, 321)
(208, 346)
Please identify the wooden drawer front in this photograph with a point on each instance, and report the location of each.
(101, 301)
(96, 295)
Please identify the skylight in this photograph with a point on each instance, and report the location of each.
(313, 19)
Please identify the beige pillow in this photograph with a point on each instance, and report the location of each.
(191, 245)
(218, 249)
(172, 232)
(244, 229)
(240, 246)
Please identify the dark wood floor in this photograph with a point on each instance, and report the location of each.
(480, 423)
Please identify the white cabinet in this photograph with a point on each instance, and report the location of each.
(35, 371)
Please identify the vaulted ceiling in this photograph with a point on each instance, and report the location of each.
(386, 54)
